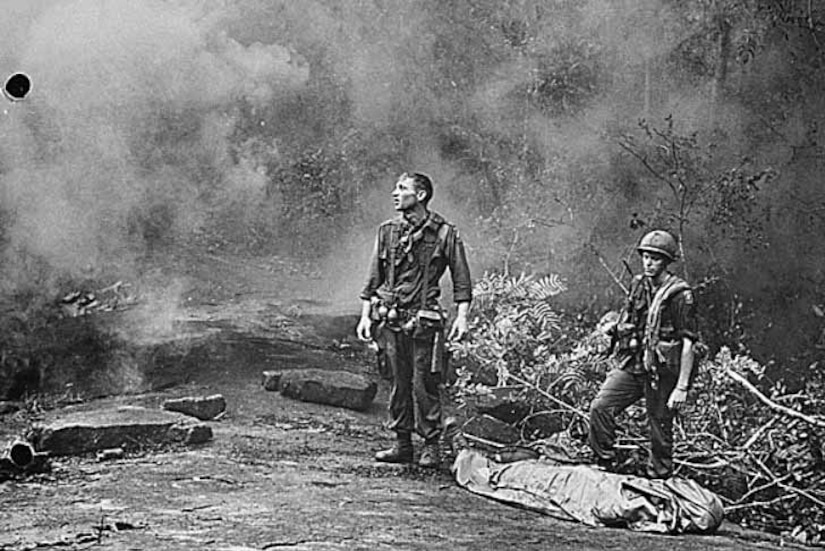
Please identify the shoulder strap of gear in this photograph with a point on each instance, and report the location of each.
(392, 245)
(441, 236)
(670, 288)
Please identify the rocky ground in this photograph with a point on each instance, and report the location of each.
(278, 473)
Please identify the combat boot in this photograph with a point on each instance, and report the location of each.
(430, 456)
(401, 452)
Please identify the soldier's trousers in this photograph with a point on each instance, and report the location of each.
(620, 390)
(415, 404)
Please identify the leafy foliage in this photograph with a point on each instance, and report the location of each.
(768, 467)
(522, 345)
(514, 328)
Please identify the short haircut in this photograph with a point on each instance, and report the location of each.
(422, 182)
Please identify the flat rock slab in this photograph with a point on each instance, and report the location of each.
(125, 427)
(201, 407)
(335, 388)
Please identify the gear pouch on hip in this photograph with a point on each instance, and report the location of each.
(427, 323)
(669, 355)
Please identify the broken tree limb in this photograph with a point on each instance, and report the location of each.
(817, 422)
(550, 397)
(758, 489)
(607, 268)
(754, 504)
(759, 432)
(801, 492)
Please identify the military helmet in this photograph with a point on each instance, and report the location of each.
(661, 242)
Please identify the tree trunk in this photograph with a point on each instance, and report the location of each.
(646, 111)
(720, 78)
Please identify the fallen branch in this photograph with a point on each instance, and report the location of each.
(707, 466)
(484, 441)
(550, 397)
(752, 504)
(771, 404)
(758, 433)
(758, 489)
(607, 268)
(802, 492)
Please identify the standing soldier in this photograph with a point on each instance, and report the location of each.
(655, 338)
(401, 299)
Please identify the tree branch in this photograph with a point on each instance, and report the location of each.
(647, 165)
(607, 268)
(549, 396)
(817, 422)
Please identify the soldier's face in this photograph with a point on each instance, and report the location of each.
(653, 264)
(405, 195)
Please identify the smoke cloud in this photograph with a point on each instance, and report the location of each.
(127, 124)
(149, 119)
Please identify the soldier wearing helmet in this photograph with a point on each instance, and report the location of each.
(655, 338)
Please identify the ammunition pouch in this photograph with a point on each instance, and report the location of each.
(427, 323)
(418, 324)
(389, 316)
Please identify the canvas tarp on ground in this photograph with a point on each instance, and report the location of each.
(590, 495)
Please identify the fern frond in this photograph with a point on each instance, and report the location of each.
(548, 286)
(519, 286)
(544, 315)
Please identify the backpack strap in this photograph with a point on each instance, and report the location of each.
(653, 323)
(441, 236)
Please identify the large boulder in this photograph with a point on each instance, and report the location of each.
(335, 388)
(125, 427)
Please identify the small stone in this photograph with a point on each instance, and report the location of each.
(198, 434)
(271, 380)
(109, 454)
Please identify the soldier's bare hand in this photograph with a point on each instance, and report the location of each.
(364, 329)
(677, 398)
(459, 329)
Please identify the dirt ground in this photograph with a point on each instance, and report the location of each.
(279, 474)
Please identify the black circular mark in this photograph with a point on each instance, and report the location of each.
(21, 454)
(17, 86)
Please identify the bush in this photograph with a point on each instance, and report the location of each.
(747, 439)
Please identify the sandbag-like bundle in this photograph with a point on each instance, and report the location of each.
(592, 496)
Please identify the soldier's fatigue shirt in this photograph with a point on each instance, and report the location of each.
(435, 241)
(678, 320)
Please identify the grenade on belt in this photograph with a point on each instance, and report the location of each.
(392, 315)
(382, 311)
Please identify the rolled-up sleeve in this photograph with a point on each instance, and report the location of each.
(684, 315)
(459, 269)
(375, 276)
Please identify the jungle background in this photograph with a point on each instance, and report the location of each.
(557, 133)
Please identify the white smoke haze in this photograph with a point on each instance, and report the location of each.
(131, 109)
(140, 113)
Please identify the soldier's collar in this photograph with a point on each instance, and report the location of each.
(433, 222)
